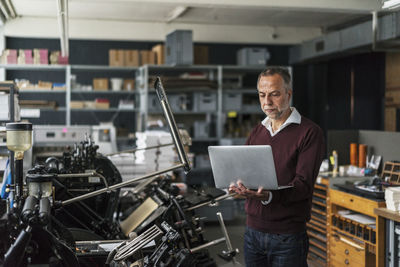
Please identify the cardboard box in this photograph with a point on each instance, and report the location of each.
(392, 97)
(102, 103)
(131, 58)
(129, 85)
(77, 104)
(116, 57)
(200, 54)
(100, 84)
(147, 57)
(160, 54)
(89, 104)
(392, 64)
(392, 119)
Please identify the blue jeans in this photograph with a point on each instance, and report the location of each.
(275, 250)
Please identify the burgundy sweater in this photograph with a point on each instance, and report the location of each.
(298, 151)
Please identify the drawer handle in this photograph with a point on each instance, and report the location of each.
(356, 246)
(346, 251)
(351, 200)
(346, 262)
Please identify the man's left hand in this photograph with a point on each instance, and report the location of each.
(242, 190)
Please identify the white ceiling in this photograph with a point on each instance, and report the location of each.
(306, 14)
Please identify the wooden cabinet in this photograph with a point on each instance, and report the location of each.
(350, 242)
(316, 227)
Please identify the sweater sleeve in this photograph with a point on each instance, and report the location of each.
(311, 154)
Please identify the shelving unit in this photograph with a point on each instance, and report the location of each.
(63, 114)
(221, 81)
(317, 227)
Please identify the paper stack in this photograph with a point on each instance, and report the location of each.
(158, 158)
(392, 197)
(146, 161)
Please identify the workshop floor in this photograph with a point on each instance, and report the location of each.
(235, 229)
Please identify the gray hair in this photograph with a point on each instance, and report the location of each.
(283, 72)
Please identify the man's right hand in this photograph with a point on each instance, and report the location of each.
(243, 191)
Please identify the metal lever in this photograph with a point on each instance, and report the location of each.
(231, 252)
(172, 124)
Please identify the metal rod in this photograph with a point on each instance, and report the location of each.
(116, 186)
(138, 149)
(211, 201)
(86, 174)
(209, 244)
(225, 232)
(374, 29)
(172, 124)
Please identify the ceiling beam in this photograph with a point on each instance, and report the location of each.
(34, 27)
(353, 6)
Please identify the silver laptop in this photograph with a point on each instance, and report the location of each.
(253, 165)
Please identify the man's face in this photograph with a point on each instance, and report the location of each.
(274, 99)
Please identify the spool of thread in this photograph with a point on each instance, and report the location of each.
(353, 154)
(362, 155)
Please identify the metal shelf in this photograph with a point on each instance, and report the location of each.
(240, 91)
(102, 68)
(42, 91)
(205, 139)
(33, 67)
(184, 112)
(103, 110)
(103, 92)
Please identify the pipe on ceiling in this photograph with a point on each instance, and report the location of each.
(62, 16)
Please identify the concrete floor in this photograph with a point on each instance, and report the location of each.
(235, 230)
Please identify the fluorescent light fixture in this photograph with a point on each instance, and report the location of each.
(391, 4)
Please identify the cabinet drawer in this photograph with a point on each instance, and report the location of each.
(342, 249)
(341, 262)
(353, 202)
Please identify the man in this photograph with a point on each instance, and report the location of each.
(276, 220)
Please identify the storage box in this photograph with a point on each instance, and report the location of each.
(116, 57)
(200, 55)
(147, 57)
(100, 84)
(180, 102)
(160, 54)
(179, 48)
(89, 104)
(153, 103)
(251, 56)
(129, 85)
(131, 58)
(232, 101)
(77, 104)
(392, 97)
(102, 103)
(201, 129)
(392, 119)
(41, 56)
(205, 101)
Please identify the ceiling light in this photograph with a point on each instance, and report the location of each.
(391, 4)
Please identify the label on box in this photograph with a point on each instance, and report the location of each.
(30, 113)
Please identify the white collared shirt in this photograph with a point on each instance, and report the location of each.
(294, 117)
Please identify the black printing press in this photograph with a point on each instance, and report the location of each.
(70, 211)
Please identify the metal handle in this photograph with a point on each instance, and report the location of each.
(346, 251)
(225, 232)
(346, 262)
(351, 243)
(171, 123)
